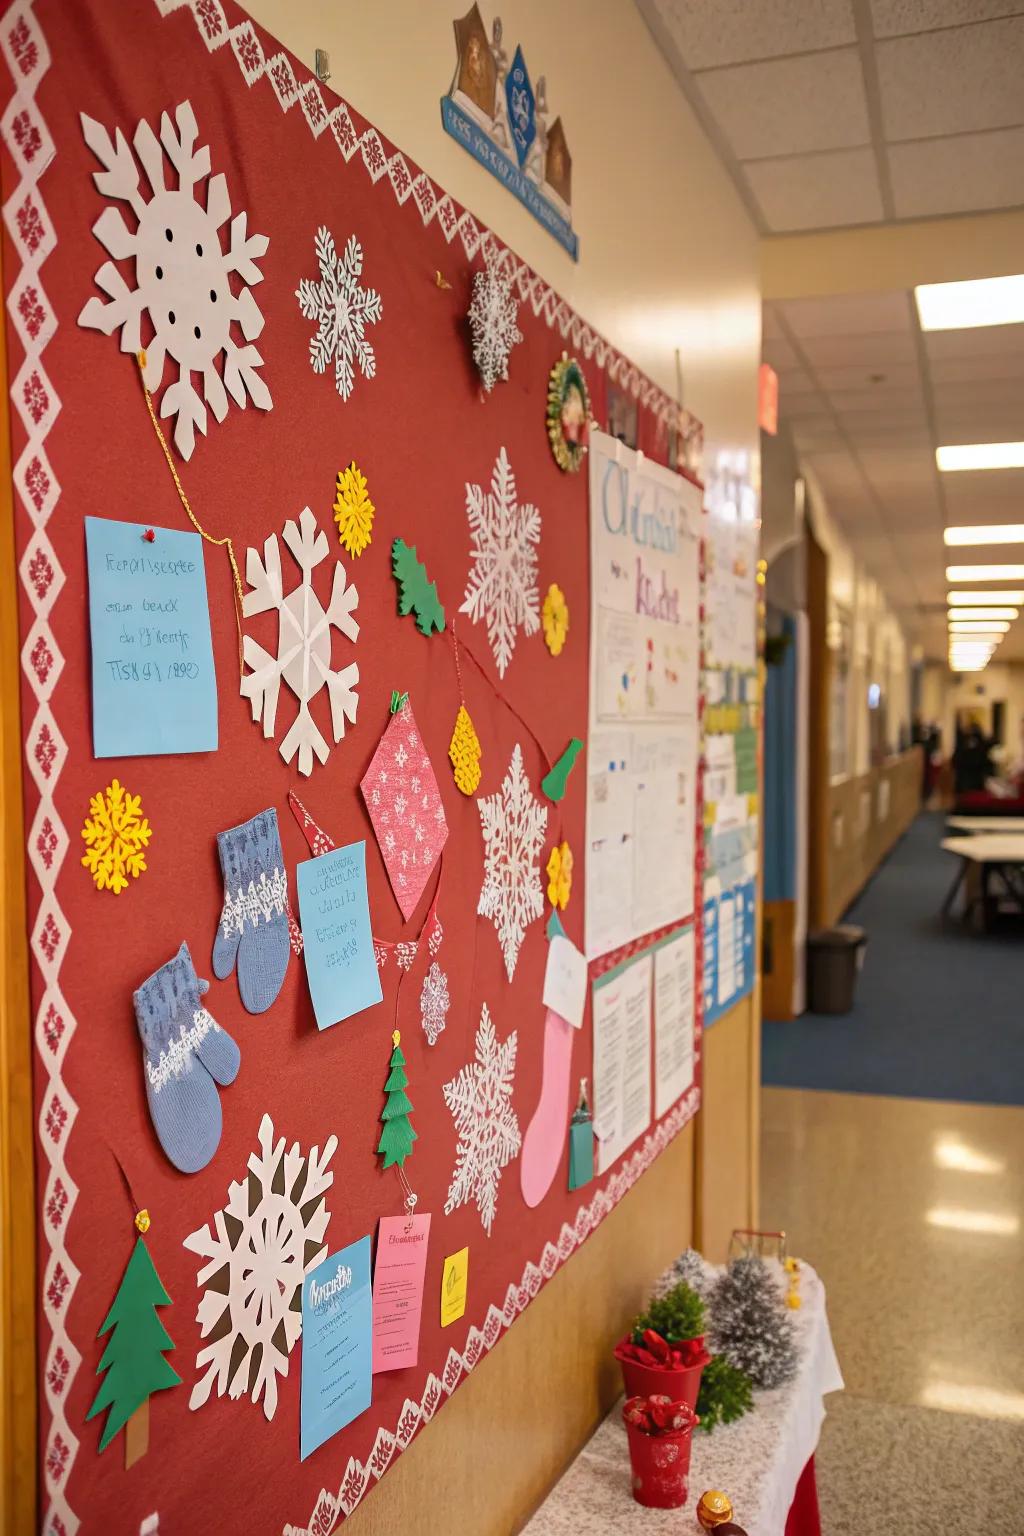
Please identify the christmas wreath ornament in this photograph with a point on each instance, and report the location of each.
(568, 413)
(492, 323)
(353, 510)
(750, 1325)
(555, 619)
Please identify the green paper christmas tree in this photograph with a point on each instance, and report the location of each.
(134, 1357)
(415, 592)
(397, 1136)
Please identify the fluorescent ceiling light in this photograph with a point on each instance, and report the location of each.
(983, 613)
(957, 1219)
(978, 626)
(955, 598)
(985, 572)
(967, 666)
(960, 306)
(980, 456)
(987, 533)
(956, 1155)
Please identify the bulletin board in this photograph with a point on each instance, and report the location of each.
(347, 274)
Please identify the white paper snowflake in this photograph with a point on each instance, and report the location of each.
(486, 1124)
(304, 647)
(502, 586)
(342, 310)
(492, 324)
(434, 1002)
(513, 823)
(260, 1245)
(182, 273)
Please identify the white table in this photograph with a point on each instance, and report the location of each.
(757, 1461)
(985, 823)
(1000, 853)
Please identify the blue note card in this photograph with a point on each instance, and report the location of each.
(337, 1344)
(337, 944)
(154, 688)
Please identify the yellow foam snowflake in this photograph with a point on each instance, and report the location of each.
(116, 834)
(353, 510)
(555, 619)
(559, 871)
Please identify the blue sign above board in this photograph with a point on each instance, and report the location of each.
(522, 120)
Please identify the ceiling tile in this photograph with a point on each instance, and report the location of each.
(893, 376)
(795, 381)
(1003, 395)
(874, 351)
(850, 402)
(770, 328)
(731, 31)
(955, 81)
(970, 172)
(817, 191)
(847, 314)
(976, 341)
(779, 354)
(893, 17)
(789, 106)
(960, 370)
(977, 424)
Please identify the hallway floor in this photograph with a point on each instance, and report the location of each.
(911, 1212)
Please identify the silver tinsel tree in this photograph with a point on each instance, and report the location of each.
(750, 1325)
(691, 1267)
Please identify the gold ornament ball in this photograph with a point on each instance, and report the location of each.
(714, 1509)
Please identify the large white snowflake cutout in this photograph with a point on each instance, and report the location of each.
(260, 1245)
(342, 310)
(434, 1003)
(513, 823)
(303, 657)
(492, 324)
(502, 585)
(182, 273)
(480, 1100)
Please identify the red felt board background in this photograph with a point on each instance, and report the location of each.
(419, 431)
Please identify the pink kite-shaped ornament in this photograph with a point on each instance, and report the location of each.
(405, 808)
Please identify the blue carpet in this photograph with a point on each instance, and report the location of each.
(939, 1011)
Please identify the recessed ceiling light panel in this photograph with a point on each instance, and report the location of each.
(961, 306)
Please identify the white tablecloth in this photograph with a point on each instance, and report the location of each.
(757, 1461)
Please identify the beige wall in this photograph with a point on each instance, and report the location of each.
(942, 696)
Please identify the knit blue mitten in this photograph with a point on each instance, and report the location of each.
(184, 1050)
(253, 927)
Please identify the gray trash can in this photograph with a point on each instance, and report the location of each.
(834, 956)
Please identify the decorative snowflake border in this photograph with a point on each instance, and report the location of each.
(267, 1237)
(513, 823)
(434, 1003)
(342, 310)
(182, 273)
(485, 1122)
(304, 647)
(492, 323)
(502, 585)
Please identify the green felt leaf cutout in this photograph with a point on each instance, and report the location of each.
(553, 783)
(415, 593)
(134, 1356)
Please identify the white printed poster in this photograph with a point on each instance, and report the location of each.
(674, 961)
(622, 1057)
(645, 530)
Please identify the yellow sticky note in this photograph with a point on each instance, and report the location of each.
(454, 1284)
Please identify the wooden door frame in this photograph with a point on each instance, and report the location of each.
(18, 1427)
(818, 766)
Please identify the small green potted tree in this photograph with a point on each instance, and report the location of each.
(664, 1352)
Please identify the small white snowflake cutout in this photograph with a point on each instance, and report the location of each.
(434, 1003)
(304, 647)
(181, 271)
(502, 585)
(480, 1100)
(267, 1237)
(492, 324)
(513, 823)
(342, 310)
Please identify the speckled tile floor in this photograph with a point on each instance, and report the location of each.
(912, 1211)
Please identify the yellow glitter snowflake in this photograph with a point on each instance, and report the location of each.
(116, 834)
(353, 510)
(559, 871)
(555, 619)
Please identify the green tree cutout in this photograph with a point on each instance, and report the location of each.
(134, 1356)
(397, 1136)
(415, 592)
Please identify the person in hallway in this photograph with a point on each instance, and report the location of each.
(972, 759)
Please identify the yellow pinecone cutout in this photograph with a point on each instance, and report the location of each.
(353, 510)
(464, 751)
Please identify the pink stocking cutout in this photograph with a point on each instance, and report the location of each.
(545, 1135)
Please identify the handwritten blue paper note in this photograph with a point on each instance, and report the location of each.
(154, 688)
(337, 943)
(337, 1329)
